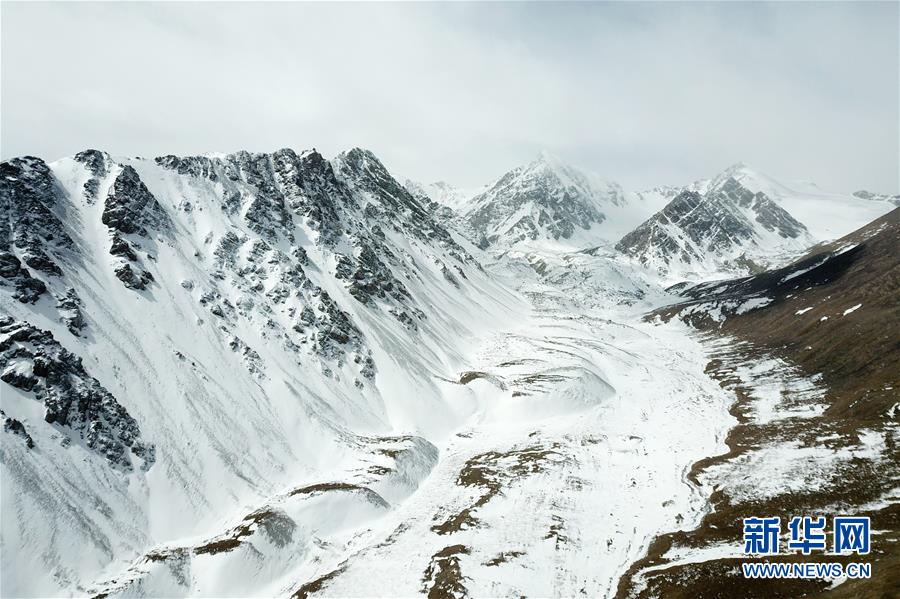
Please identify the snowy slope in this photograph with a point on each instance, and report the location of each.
(583, 411)
(243, 325)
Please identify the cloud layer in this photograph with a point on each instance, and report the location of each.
(643, 93)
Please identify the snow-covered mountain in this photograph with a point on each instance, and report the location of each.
(827, 215)
(189, 338)
(265, 374)
(550, 200)
(281, 375)
(727, 226)
(740, 221)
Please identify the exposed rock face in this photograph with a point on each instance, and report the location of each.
(391, 204)
(34, 362)
(193, 166)
(266, 211)
(767, 213)
(30, 204)
(98, 164)
(130, 208)
(31, 229)
(725, 221)
(314, 192)
(543, 200)
(368, 277)
(69, 308)
(352, 201)
(133, 277)
(11, 425)
(27, 288)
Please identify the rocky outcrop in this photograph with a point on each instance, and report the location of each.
(31, 207)
(877, 197)
(26, 288)
(34, 362)
(98, 165)
(15, 427)
(392, 205)
(367, 277)
(69, 308)
(130, 208)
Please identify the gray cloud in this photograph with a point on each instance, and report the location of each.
(643, 93)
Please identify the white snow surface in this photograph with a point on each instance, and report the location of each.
(851, 309)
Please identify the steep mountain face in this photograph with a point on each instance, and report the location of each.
(184, 337)
(266, 374)
(543, 200)
(724, 225)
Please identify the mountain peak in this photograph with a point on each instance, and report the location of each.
(742, 173)
(545, 199)
(738, 166)
(548, 162)
(547, 157)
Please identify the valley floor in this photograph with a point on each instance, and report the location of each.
(577, 462)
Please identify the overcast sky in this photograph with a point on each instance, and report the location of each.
(645, 94)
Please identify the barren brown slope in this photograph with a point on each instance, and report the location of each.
(858, 357)
(858, 353)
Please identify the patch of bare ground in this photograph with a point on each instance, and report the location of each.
(162, 555)
(557, 531)
(491, 471)
(472, 375)
(318, 488)
(503, 557)
(532, 379)
(232, 539)
(443, 577)
(314, 586)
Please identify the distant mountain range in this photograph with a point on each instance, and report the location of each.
(738, 221)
